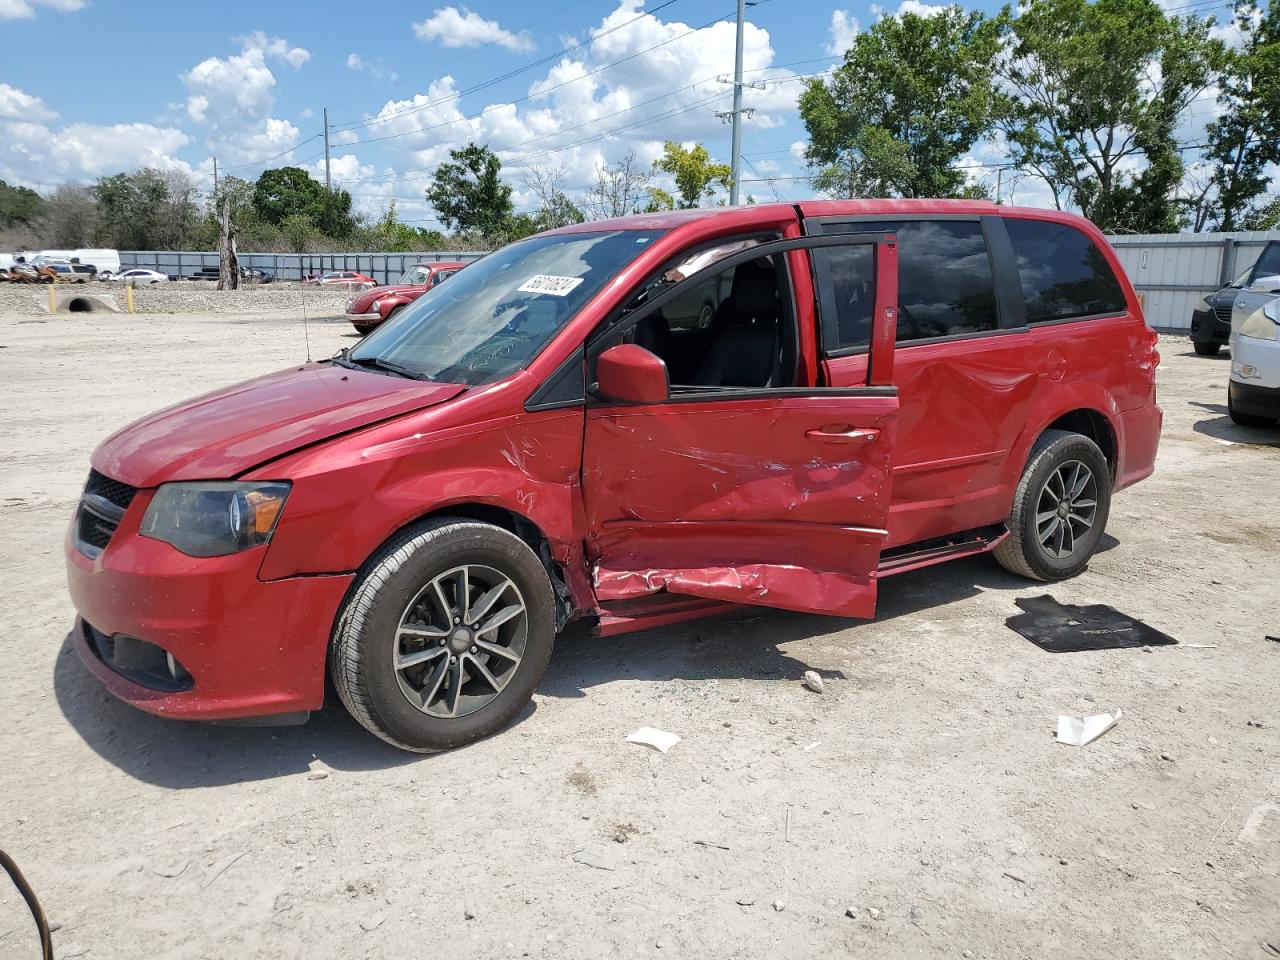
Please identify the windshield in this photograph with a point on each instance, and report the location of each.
(1268, 264)
(415, 276)
(492, 318)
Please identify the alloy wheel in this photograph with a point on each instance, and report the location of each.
(1066, 508)
(460, 641)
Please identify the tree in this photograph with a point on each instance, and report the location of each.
(913, 95)
(19, 205)
(290, 192)
(145, 210)
(1264, 217)
(1092, 86)
(69, 216)
(695, 175)
(388, 233)
(618, 189)
(469, 194)
(555, 209)
(1246, 138)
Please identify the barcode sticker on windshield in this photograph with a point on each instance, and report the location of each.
(556, 286)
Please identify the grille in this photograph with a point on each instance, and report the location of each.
(101, 510)
(121, 494)
(1222, 313)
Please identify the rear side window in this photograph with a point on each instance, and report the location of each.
(1063, 273)
(945, 285)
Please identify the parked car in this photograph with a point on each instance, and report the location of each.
(1211, 318)
(139, 275)
(1253, 392)
(885, 385)
(341, 278)
(256, 275)
(105, 262)
(370, 307)
(69, 272)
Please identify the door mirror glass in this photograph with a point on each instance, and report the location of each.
(632, 374)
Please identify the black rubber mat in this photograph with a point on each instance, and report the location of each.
(1063, 628)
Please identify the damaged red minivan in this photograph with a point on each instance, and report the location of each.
(555, 433)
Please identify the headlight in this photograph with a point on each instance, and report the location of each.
(351, 302)
(214, 519)
(375, 306)
(1204, 305)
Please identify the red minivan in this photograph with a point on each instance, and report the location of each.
(883, 385)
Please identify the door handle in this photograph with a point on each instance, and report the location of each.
(841, 434)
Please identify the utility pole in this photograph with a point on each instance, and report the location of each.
(735, 160)
(215, 174)
(999, 177)
(327, 184)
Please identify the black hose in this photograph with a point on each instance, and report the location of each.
(24, 888)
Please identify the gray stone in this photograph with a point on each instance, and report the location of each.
(813, 682)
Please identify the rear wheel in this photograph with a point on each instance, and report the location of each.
(445, 636)
(1060, 508)
(1208, 349)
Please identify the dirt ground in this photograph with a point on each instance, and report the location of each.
(919, 807)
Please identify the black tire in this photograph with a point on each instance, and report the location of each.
(1022, 551)
(1208, 349)
(1247, 419)
(365, 638)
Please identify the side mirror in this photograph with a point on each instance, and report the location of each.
(631, 373)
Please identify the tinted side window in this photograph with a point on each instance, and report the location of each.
(1063, 273)
(1268, 264)
(848, 296)
(945, 285)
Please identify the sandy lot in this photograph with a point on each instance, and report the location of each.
(922, 792)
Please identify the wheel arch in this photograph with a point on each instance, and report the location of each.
(1093, 424)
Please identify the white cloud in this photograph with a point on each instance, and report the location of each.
(234, 96)
(17, 105)
(354, 61)
(34, 153)
(909, 6)
(276, 47)
(26, 9)
(465, 28)
(842, 30)
(345, 136)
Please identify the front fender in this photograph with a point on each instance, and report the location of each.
(350, 495)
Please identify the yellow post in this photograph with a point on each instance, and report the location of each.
(53, 300)
(128, 297)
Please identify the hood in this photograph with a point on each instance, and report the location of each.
(223, 434)
(361, 301)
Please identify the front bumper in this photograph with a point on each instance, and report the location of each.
(373, 317)
(1254, 401)
(251, 647)
(1208, 327)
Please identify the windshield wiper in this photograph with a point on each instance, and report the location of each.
(378, 363)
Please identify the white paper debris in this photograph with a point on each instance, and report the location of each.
(658, 739)
(1077, 731)
(556, 286)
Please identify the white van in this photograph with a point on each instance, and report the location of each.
(107, 261)
(1253, 394)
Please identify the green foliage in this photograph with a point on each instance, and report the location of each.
(913, 95)
(1246, 138)
(468, 193)
(1264, 217)
(288, 193)
(148, 209)
(659, 200)
(695, 175)
(19, 205)
(390, 234)
(1092, 88)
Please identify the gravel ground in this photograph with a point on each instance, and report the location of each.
(187, 296)
(917, 808)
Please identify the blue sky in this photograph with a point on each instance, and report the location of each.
(91, 87)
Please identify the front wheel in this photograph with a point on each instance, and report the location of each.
(1208, 349)
(1060, 508)
(445, 635)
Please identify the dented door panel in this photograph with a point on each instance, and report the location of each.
(776, 500)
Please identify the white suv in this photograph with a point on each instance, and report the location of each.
(1253, 395)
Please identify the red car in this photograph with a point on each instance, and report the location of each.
(370, 307)
(884, 385)
(341, 278)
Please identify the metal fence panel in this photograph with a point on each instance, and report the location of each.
(1173, 271)
(383, 267)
